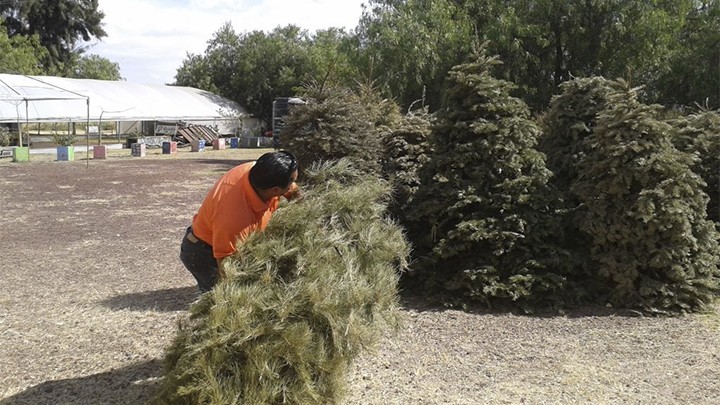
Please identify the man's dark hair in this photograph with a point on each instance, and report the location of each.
(273, 169)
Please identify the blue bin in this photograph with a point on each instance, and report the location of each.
(234, 142)
(197, 146)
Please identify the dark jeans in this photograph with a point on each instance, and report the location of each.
(198, 259)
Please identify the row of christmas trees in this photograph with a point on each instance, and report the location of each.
(602, 200)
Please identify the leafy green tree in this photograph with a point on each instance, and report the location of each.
(522, 34)
(271, 65)
(61, 25)
(484, 200)
(20, 55)
(331, 57)
(195, 71)
(223, 59)
(95, 67)
(642, 36)
(407, 47)
(646, 212)
(547, 42)
(693, 74)
(542, 42)
(251, 68)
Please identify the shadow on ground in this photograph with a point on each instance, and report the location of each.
(415, 299)
(134, 384)
(171, 299)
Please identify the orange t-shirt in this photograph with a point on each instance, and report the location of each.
(231, 211)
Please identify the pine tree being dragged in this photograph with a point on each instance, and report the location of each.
(301, 301)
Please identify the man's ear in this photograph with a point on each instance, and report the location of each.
(277, 191)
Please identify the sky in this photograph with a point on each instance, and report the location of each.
(149, 39)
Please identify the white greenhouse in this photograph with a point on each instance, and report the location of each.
(132, 107)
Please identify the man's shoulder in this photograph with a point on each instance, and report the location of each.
(244, 166)
(240, 170)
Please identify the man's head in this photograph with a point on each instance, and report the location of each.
(273, 173)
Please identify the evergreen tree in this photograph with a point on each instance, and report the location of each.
(384, 113)
(699, 134)
(407, 150)
(572, 118)
(483, 205)
(645, 212)
(335, 123)
(300, 302)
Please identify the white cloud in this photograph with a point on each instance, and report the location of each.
(150, 38)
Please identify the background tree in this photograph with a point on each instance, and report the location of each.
(407, 47)
(693, 74)
(640, 39)
(333, 124)
(195, 71)
(699, 135)
(484, 198)
(20, 55)
(62, 26)
(646, 212)
(406, 152)
(270, 66)
(331, 57)
(572, 118)
(251, 68)
(213, 70)
(546, 42)
(526, 36)
(94, 67)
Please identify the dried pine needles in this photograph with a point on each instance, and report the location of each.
(301, 301)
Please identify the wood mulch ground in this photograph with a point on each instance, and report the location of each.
(93, 288)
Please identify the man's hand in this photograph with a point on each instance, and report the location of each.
(294, 193)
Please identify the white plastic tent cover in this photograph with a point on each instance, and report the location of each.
(58, 99)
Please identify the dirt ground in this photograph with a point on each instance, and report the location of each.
(93, 288)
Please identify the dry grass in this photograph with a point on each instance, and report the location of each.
(92, 290)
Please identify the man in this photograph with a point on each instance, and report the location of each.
(241, 202)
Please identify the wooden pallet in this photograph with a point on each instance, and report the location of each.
(195, 133)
